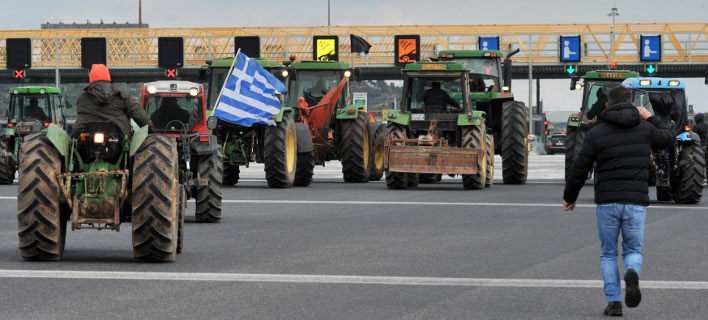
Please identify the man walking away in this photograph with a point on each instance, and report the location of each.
(621, 147)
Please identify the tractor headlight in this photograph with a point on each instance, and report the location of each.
(193, 92)
(347, 73)
(644, 82)
(98, 138)
(285, 73)
(505, 88)
(673, 83)
(152, 89)
(15, 91)
(42, 91)
(578, 86)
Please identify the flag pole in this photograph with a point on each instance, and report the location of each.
(233, 63)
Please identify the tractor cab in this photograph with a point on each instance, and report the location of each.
(219, 70)
(175, 106)
(662, 97)
(32, 109)
(484, 67)
(311, 80)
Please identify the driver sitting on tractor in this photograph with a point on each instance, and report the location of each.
(437, 97)
(103, 101)
(169, 111)
(33, 110)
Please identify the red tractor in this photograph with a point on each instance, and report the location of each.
(178, 109)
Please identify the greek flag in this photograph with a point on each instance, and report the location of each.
(249, 94)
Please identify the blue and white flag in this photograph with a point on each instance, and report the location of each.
(249, 94)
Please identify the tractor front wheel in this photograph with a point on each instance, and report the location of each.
(377, 153)
(209, 196)
(514, 142)
(280, 155)
(473, 137)
(7, 168)
(691, 174)
(41, 223)
(489, 181)
(231, 174)
(396, 180)
(354, 148)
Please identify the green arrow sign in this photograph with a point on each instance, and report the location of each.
(570, 69)
(651, 69)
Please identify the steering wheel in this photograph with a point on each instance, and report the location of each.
(175, 123)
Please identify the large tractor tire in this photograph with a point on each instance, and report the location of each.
(413, 179)
(305, 168)
(514, 152)
(181, 208)
(378, 143)
(41, 222)
(7, 168)
(664, 193)
(489, 181)
(396, 180)
(280, 155)
(691, 174)
(208, 197)
(574, 139)
(155, 205)
(354, 148)
(474, 137)
(231, 175)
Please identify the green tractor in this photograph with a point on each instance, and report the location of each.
(426, 140)
(506, 119)
(339, 130)
(274, 146)
(596, 85)
(97, 181)
(31, 110)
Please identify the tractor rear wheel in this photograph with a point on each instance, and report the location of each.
(474, 137)
(396, 180)
(574, 138)
(413, 180)
(155, 205)
(231, 175)
(514, 142)
(354, 148)
(691, 174)
(7, 168)
(489, 181)
(429, 178)
(209, 196)
(305, 168)
(41, 222)
(377, 153)
(280, 155)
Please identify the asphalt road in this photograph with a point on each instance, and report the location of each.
(360, 251)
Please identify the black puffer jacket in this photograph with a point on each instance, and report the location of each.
(621, 146)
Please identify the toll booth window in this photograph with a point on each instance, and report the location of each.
(29, 106)
(313, 85)
(435, 95)
(171, 110)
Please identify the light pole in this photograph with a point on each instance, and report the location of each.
(613, 13)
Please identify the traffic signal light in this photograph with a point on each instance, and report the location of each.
(571, 69)
(651, 69)
(545, 126)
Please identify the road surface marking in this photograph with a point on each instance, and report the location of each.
(336, 279)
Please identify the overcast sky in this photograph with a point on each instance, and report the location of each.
(223, 13)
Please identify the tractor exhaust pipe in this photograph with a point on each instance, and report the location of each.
(507, 68)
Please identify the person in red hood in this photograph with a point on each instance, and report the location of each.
(103, 101)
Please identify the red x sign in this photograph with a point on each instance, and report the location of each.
(19, 74)
(171, 73)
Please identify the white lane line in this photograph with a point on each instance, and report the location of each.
(428, 203)
(337, 279)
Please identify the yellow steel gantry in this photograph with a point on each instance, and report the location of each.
(539, 43)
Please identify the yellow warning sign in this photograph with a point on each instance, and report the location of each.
(326, 50)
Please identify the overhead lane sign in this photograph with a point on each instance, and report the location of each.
(569, 49)
(488, 43)
(650, 48)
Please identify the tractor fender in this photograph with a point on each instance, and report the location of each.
(304, 139)
(688, 136)
(59, 139)
(348, 112)
(198, 147)
(278, 117)
(397, 117)
(138, 137)
(472, 118)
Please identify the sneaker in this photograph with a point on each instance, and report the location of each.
(632, 296)
(613, 309)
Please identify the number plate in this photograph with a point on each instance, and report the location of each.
(559, 143)
(418, 116)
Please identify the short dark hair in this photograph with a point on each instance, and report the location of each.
(619, 95)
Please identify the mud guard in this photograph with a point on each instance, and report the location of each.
(138, 137)
(397, 117)
(59, 139)
(348, 112)
(304, 139)
(203, 147)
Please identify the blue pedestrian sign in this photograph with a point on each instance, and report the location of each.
(650, 48)
(569, 49)
(488, 43)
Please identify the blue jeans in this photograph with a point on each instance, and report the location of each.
(611, 218)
